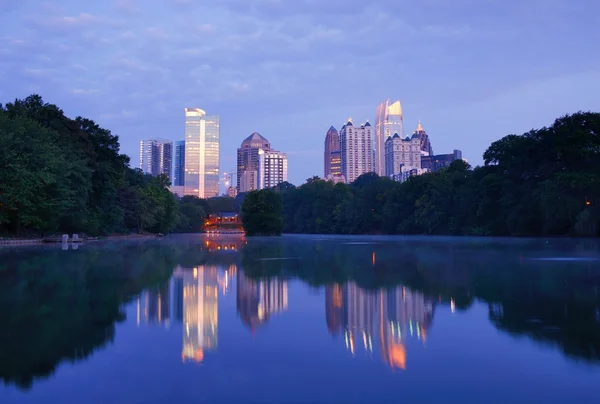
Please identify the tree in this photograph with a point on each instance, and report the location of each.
(262, 213)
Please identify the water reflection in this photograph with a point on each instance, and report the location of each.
(258, 300)
(378, 299)
(389, 316)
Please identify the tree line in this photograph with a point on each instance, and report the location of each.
(63, 175)
(545, 182)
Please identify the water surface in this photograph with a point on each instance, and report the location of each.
(301, 319)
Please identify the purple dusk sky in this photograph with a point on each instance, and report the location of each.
(471, 70)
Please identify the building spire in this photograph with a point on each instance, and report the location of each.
(419, 127)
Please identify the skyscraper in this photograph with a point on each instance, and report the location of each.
(202, 135)
(402, 154)
(247, 161)
(272, 168)
(179, 172)
(156, 157)
(356, 150)
(332, 153)
(424, 138)
(388, 122)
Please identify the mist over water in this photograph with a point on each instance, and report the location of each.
(301, 319)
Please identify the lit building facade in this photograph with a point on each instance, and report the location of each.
(402, 153)
(156, 157)
(179, 166)
(332, 154)
(356, 150)
(272, 168)
(247, 161)
(202, 137)
(388, 121)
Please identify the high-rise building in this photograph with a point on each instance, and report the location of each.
(439, 161)
(356, 150)
(179, 172)
(247, 161)
(388, 122)
(332, 157)
(156, 157)
(402, 154)
(272, 168)
(426, 148)
(202, 135)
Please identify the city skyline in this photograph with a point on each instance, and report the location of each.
(131, 68)
(348, 153)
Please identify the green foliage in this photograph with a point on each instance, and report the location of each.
(543, 183)
(262, 213)
(66, 175)
(192, 213)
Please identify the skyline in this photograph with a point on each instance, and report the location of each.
(270, 66)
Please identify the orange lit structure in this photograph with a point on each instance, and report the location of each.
(224, 223)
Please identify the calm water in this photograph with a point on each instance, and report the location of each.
(302, 320)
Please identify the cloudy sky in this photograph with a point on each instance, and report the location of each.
(471, 70)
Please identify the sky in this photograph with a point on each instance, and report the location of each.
(471, 70)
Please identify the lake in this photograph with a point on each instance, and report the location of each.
(301, 319)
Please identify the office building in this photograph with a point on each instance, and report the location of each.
(402, 153)
(179, 169)
(332, 154)
(272, 168)
(437, 162)
(202, 135)
(356, 144)
(425, 144)
(156, 157)
(247, 161)
(388, 121)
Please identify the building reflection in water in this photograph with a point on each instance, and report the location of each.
(395, 315)
(258, 300)
(191, 298)
(154, 307)
(200, 312)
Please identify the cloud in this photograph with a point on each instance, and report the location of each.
(10, 5)
(286, 68)
(67, 24)
(127, 7)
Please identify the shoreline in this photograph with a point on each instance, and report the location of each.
(35, 241)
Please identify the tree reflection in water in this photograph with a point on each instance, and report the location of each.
(60, 306)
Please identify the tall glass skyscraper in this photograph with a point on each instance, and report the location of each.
(202, 135)
(388, 122)
(156, 157)
(179, 172)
